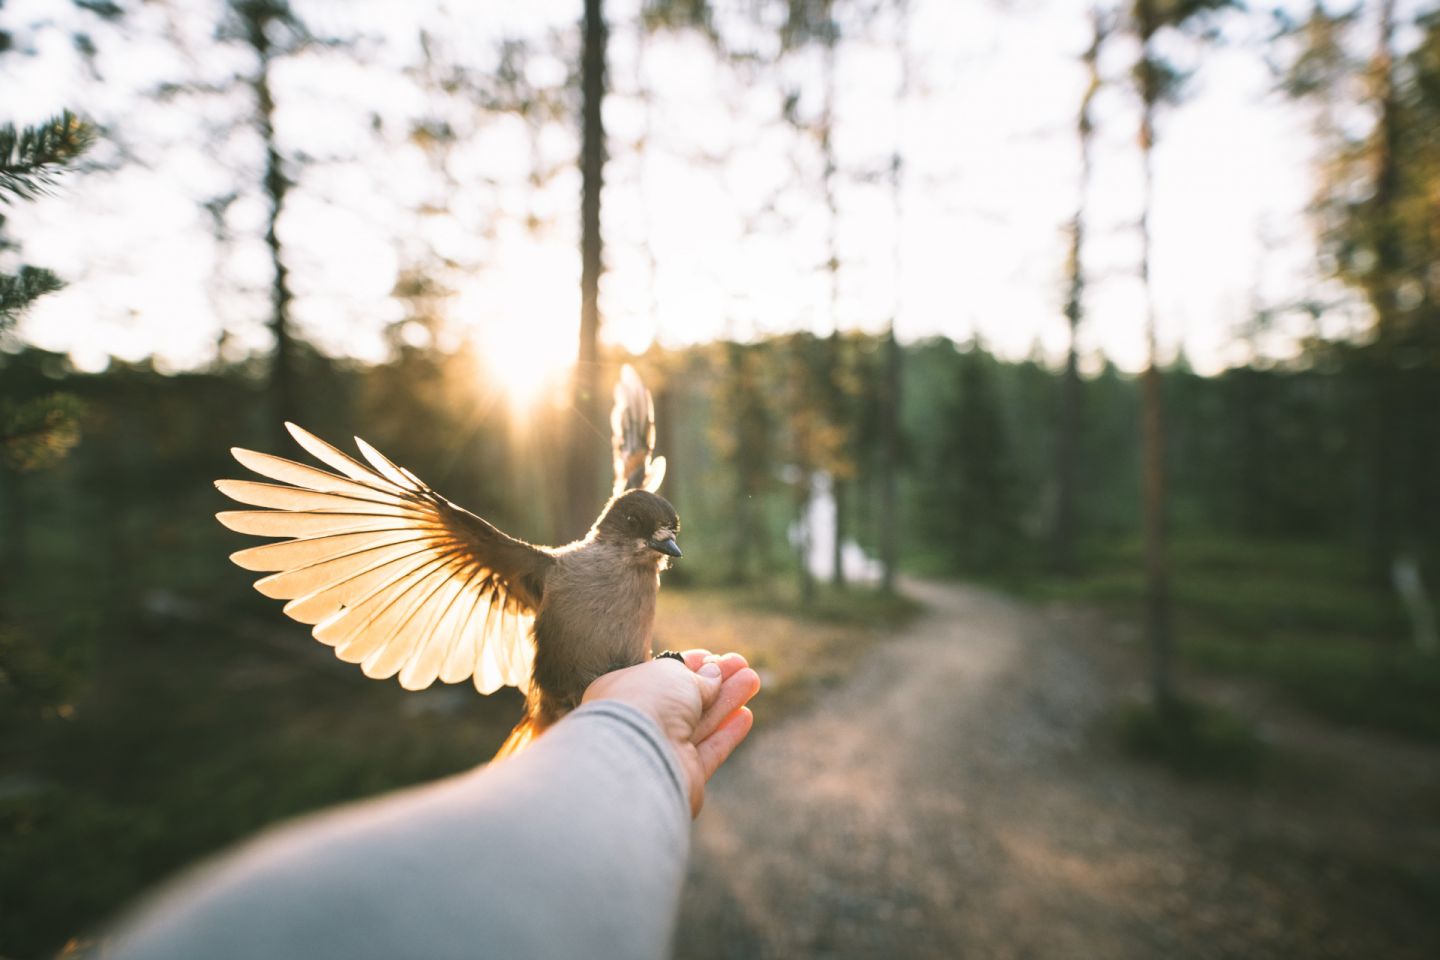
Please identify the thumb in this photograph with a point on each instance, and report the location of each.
(708, 680)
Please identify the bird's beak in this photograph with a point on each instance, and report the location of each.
(665, 544)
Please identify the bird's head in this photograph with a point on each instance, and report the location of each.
(641, 522)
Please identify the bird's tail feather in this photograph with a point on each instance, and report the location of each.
(524, 732)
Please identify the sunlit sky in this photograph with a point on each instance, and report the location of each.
(717, 228)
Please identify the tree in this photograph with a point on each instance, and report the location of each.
(35, 431)
(269, 32)
(807, 24)
(889, 448)
(272, 31)
(1067, 447)
(1158, 83)
(585, 444)
(889, 393)
(744, 440)
(977, 501)
(1378, 204)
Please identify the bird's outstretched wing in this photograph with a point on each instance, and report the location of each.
(393, 576)
(632, 431)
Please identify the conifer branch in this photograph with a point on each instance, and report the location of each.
(19, 291)
(37, 433)
(31, 158)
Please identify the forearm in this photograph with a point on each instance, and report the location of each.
(575, 847)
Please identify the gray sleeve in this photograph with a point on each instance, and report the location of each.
(574, 847)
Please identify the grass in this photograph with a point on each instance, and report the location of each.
(191, 735)
(797, 649)
(1191, 739)
(1301, 617)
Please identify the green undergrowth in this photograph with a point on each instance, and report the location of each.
(1304, 618)
(1191, 739)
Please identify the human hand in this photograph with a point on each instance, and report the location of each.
(699, 706)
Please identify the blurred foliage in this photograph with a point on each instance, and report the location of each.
(40, 431)
(32, 157)
(1192, 739)
(36, 431)
(19, 291)
(1301, 615)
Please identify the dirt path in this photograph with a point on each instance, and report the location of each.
(953, 798)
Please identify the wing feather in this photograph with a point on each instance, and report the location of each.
(489, 674)
(292, 584)
(376, 631)
(343, 627)
(293, 498)
(388, 469)
(290, 554)
(269, 523)
(632, 433)
(337, 459)
(459, 662)
(321, 481)
(389, 573)
(655, 474)
(326, 602)
(417, 632)
(434, 636)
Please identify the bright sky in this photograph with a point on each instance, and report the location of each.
(990, 183)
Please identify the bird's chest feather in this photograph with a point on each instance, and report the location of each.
(597, 615)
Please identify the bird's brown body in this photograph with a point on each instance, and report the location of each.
(404, 582)
(598, 615)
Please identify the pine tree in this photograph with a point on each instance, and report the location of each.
(585, 447)
(1067, 447)
(35, 431)
(1158, 83)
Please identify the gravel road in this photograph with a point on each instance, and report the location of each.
(955, 798)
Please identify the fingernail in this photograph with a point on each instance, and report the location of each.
(711, 670)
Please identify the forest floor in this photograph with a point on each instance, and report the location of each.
(959, 793)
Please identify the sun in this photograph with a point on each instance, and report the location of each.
(527, 362)
(524, 319)
(523, 314)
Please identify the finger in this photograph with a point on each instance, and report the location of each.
(716, 748)
(734, 694)
(710, 683)
(729, 663)
(694, 658)
(732, 663)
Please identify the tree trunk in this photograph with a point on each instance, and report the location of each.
(889, 413)
(839, 483)
(1157, 575)
(890, 464)
(1067, 457)
(833, 386)
(802, 549)
(1067, 446)
(282, 374)
(1381, 284)
(587, 437)
(740, 530)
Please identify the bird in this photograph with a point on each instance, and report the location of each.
(407, 584)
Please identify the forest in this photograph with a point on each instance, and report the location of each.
(445, 231)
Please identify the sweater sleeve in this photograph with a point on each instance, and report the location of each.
(575, 847)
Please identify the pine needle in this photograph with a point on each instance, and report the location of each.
(31, 158)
